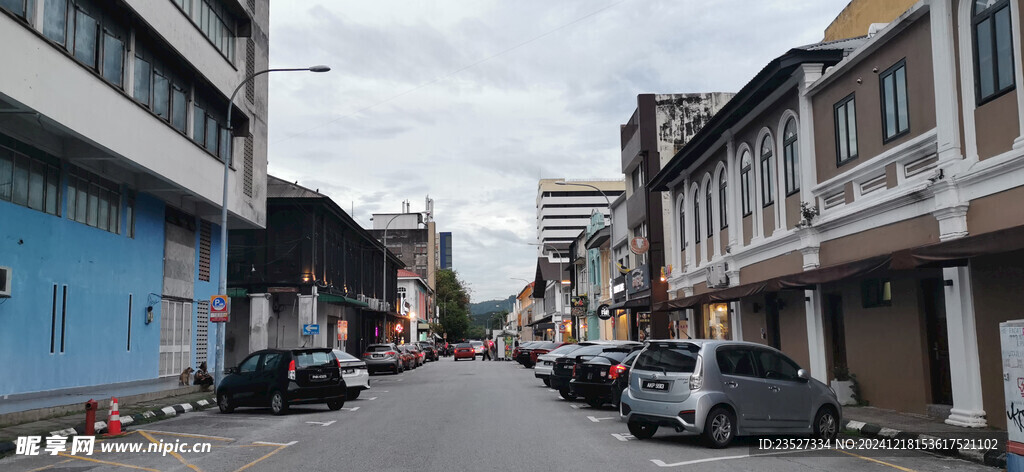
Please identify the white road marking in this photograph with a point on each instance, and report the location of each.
(623, 437)
(371, 398)
(598, 420)
(577, 406)
(275, 444)
(723, 458)
(351, 409)
(323, 423)
(381, 391)
(552, 390)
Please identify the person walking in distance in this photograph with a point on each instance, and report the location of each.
(487, 350)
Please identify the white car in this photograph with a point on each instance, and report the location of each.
(478, 347)
(354, 372)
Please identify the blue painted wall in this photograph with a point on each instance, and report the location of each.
(100, 269)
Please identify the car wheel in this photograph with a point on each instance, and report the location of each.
(566, 394)
(594, 402)
(642, 431)
(335, 405)
(354, 393)
(719, 428)
(278, 405)
(826, 424)
(225, 404)
(547, 382)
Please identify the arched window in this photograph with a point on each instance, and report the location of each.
(723, 207)
(791, 159)
(766, 171)
(696, 216)
(745, 168)
(682, 226)
(707, 208)
(993, 48)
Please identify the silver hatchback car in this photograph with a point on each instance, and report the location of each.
(724, 389)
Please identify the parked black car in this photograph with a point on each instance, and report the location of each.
(279, 378)
(602, 378)
(429, 350)
(561, 372)
(523, 354)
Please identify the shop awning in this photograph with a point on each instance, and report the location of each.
(943, 254)
(331, 298)
(632, 303)
(540, 320)
(543, 326)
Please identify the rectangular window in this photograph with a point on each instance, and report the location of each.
(767, 189)
(14, 6)
(55, 20)
(85, 38)
(895, 117)
(211, 135)
(993, 49)
(113, 59)
(143, 80)
(876, 293)
(94, 202)
(161, 96)
(198, 125)
(179, 109)
(745, 190)
(29, 182)
(215, 23)
(129, 215)
(63, 317)
(846, 130)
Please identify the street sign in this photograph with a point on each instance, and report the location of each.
(219, 309)
(639, 245)
(310, 329)
(561, 328)
(604, 312)
(342, 330)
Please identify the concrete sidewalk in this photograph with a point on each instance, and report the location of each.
(879, 423)
(28, 407)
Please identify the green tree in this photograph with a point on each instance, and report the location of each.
(453, 306)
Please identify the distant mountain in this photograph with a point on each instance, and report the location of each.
(490, 306)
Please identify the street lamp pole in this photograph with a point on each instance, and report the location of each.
(384, 296)
(222, 286)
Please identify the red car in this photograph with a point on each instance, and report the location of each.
(464, 351)
(543, 349)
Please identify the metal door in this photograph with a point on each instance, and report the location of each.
(175, 337)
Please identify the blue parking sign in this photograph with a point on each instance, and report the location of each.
(310, 329)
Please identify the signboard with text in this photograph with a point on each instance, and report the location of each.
(638, 280)
(342, 330)
(220, 309)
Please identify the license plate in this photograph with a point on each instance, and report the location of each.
(318, 376)
(378, 356)
(652, 385)
(348, 371)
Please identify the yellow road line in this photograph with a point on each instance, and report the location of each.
(108, 462)
(174, 454)
(186, 435)
(246, 466)
(51, 465)
(894, 466)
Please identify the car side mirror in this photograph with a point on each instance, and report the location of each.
(803, 374)
(231, 370)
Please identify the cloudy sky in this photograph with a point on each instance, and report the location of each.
(472, 101)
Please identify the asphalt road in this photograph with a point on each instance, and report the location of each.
(451, 416)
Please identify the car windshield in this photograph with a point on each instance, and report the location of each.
(588, 351)
(667, 358)
(617, 355)
(566, 349)
(477, 343)
(463, 345)
(311, 359)
(379, 348)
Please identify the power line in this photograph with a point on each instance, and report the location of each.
(450, 74)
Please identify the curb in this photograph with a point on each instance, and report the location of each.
(991, 457)
(101, 426)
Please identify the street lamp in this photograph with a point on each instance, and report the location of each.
(222, 288)
(384, 296)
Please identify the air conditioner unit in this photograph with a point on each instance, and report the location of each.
(361, 298)
(716, 275)
(6, 274)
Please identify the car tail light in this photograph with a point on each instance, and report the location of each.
(390, 353)
(574, 370)
(615, 370)
(697, 377)
(337, 361)
(366, 354)
(291, 370)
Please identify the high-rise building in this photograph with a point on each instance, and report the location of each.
(564, 208)
(412, 236)
(444, 259)
(113, 137)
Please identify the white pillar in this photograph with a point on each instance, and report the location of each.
(964, 365)
(736, 319)
(809, 73)
(1018, 71)
(259, 319)
(947, 114)
(815, 334)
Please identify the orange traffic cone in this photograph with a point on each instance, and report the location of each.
(114, 423)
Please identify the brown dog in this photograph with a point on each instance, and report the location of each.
(183, 379)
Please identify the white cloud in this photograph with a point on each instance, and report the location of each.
(444, 98)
